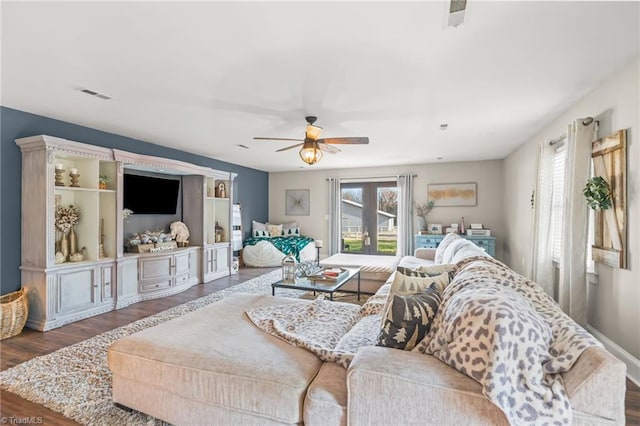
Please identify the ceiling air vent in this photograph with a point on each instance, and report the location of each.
(96, 94)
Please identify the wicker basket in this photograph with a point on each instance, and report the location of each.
(14, 308)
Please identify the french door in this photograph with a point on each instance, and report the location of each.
(369, 217)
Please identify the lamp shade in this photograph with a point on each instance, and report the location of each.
(310, 153)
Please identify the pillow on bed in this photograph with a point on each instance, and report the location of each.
(274, 230)
(257, 226)
(259, 233)
(291, 232)
(289, 225)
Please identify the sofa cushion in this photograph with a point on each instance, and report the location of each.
(408, 319)
(326, 400)
(217, 358)
(425, 391)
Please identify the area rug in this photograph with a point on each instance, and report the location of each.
(76, 380)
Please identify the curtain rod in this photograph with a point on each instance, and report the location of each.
(370, 178)
(585, 122)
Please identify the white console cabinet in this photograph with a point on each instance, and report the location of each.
(106, 278)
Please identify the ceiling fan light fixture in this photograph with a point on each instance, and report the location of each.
(313, 132)
(310, 153)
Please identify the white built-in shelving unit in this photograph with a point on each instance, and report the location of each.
(107, 278)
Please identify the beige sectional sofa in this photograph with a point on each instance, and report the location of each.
(214, 367)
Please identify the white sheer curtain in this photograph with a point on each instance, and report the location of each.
(335, 204)
(541, 249)
(405, 216)
(572, 287)
(572, 277)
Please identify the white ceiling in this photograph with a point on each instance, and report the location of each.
(204, 77)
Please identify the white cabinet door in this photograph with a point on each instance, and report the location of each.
(222, 259)
(76, 290)
(107, 282)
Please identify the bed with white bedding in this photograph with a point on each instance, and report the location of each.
(270, 243)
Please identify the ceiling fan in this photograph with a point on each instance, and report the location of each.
(312, 145)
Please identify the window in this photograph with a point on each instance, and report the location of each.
(369, 217)
(558, 199)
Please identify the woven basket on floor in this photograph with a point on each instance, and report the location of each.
(14, 308)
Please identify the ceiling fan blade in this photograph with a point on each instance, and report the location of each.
(258, 138)
(290, 147)
(364, 140)
(328, 148)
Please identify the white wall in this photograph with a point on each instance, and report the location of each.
(487, 174)
(614, 302)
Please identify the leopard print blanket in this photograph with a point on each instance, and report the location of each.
(505, 332)
(333, 331)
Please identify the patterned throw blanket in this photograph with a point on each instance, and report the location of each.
(331, 330)
(493, 325)
(286, 244)
(504, 331)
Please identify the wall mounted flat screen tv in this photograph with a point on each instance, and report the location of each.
(150, 195)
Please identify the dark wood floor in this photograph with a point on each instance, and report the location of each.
(30, 344)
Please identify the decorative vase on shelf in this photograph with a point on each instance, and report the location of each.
(64, 245)
(73, 241)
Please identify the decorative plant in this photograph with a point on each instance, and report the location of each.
(66, 218)
(598, 193)
(104, 179)
(423, 210)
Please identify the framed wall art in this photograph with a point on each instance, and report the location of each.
(453, 194)
(297, 202)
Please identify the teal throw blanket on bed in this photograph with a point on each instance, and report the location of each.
(287, 245)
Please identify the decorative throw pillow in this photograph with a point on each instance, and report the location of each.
(425, 270)
(433, 270)
(259, 233)
(404, 285)
(258, 226)
(407, 319)
(290, 225)
(274, 230)
(407, 284)
(291, 232)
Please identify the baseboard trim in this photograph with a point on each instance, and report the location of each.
(633, 363)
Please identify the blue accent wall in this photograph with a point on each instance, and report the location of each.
(251, 190)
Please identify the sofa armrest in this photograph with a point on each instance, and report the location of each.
(425, 253)
(391, 386)
(596, 385)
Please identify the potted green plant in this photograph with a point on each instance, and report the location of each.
(103, 180)
(598, 193)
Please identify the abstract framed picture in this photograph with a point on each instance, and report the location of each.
(297, 202)
(453, 194)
